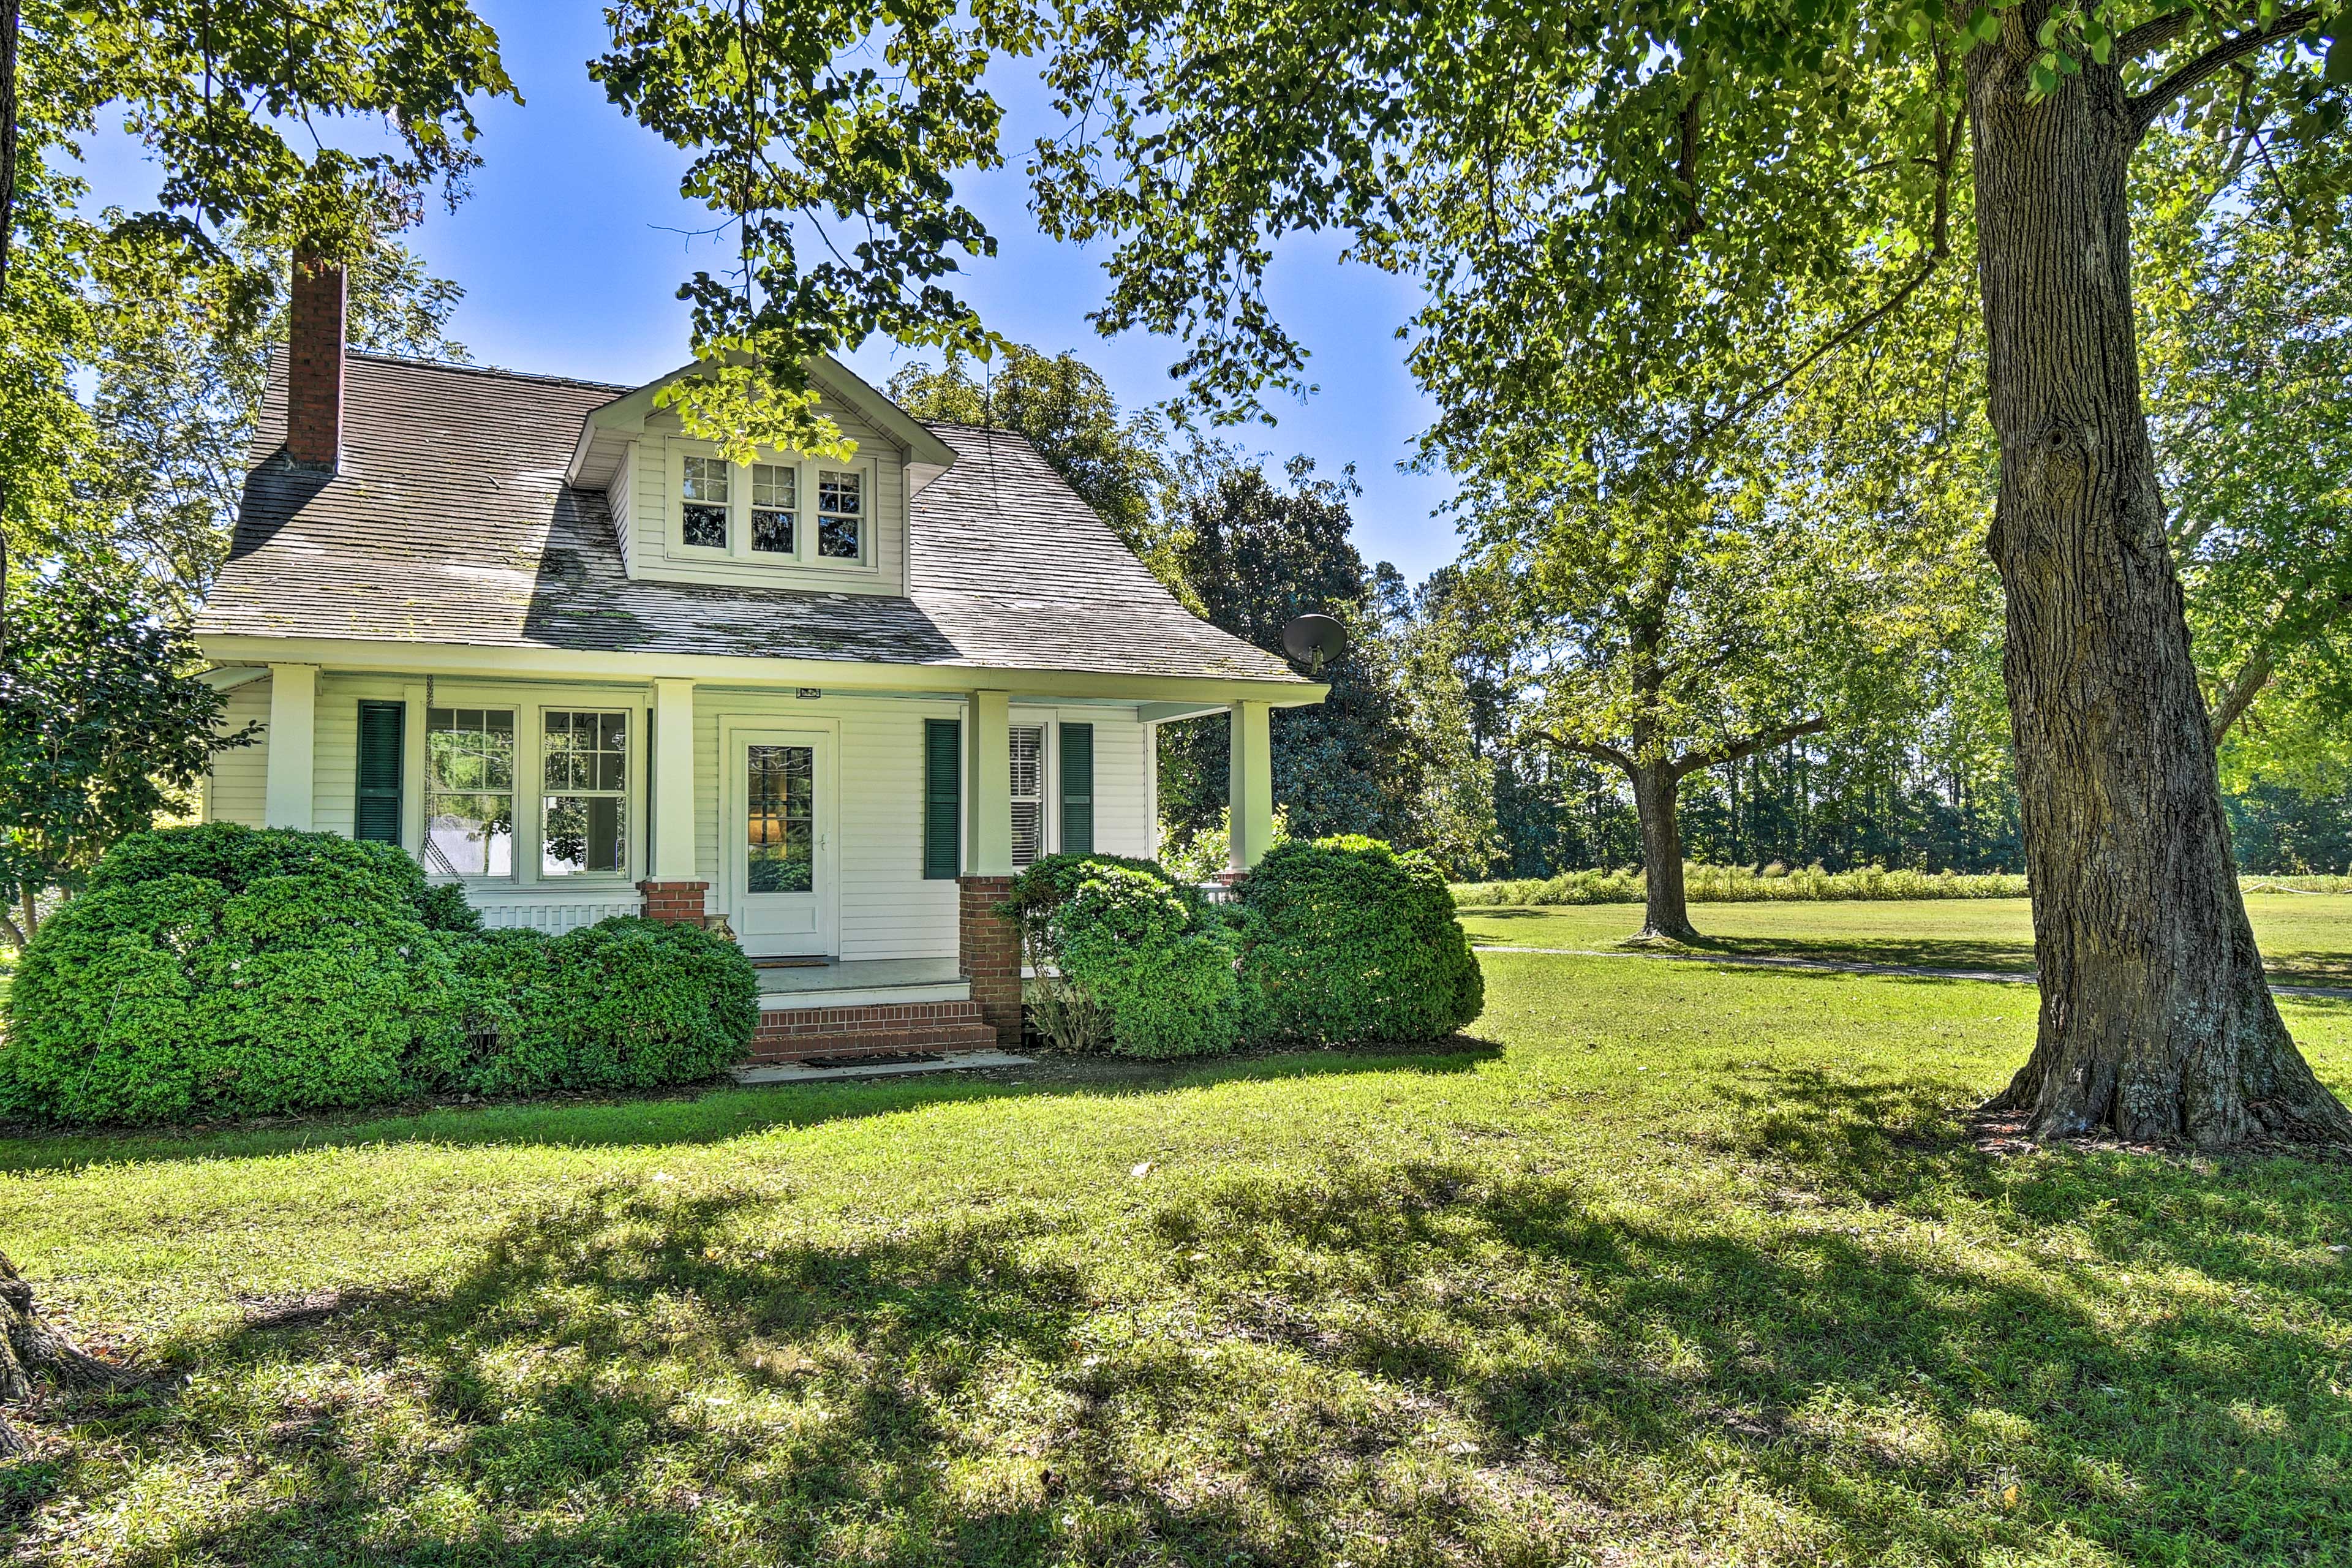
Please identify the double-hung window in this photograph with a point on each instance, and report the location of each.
(840, 515)
(777, 514)
(774, 507)
(705, 487)
(584, 804)
(470, 783)
(1028, 747)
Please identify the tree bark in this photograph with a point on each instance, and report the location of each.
(1665, 916)
(2156, 1022)
(31, 1351)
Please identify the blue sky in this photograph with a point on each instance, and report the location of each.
(570, 252)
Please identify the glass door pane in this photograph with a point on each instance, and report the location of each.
(779, 851)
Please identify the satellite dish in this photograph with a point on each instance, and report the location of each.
(1314, 641)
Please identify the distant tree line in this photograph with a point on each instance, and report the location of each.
(1423, 739)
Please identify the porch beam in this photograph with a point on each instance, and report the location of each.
(287, 792)
(1249, 784)
(504, 663)
(988, 785)
(673, 782)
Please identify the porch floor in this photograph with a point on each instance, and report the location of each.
(863, 981)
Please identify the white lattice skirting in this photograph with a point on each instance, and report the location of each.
(552, 918)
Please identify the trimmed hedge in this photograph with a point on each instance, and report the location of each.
(1347, 939)
(226, 971)
(624, 1004)
(1129, 960)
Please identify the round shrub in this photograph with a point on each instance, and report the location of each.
(624, 1003)
(1128, 958)
(641, 1003)
(1347, 939)
(236, 855)
(222, 970)
(253, 991)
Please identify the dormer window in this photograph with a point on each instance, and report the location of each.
(774, 506)
(810, 515)
(840, 515)
(702, 523)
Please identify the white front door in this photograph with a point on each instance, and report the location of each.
(779, 816)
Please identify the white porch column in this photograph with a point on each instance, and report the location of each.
(987, 786)
(293, 720)
(1249, 784)
(673, 812)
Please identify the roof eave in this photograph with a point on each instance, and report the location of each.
(918, 446)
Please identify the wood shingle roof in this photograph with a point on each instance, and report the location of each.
(450, 521)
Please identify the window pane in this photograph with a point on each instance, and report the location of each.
(838, 493)
(705, 526)
(584, 833)
(470, 835)
(706, 479)
(781, 827)
(1028, 832)
(838, 538)
(772, 531)
(773, 484)
(469, 749)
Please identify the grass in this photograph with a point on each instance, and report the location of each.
(1682, 1264)
(2306, 938)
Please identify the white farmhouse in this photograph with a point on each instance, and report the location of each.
(521, 627)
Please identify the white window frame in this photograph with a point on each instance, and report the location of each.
(633, 725)
(515, 848)
(530, 705)
(805, 521)
(737, 513)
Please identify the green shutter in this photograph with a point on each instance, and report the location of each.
(1077, 789)
(942, 799)
(375, 814)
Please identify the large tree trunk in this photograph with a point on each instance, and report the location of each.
(2156, 1020)
(31, 1351)
(1665, 916)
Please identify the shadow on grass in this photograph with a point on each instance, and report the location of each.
(712, 1114)
(1423, 1360)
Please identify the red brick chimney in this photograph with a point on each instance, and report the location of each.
(314, 390)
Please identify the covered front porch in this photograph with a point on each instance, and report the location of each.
(856, 840)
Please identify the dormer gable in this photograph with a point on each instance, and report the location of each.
(683, 513)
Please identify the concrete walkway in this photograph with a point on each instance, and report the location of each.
(960, 1061)
(1849, 966)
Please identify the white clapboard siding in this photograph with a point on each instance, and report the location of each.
(617, 499)
(1122, 808)
(240, 778)
(650, 478)
(887, 908)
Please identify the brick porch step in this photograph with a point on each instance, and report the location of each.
(791, 1034)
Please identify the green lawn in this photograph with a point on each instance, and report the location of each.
(2306, 937)
(1684, 1265)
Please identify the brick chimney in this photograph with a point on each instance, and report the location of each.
(314, 391)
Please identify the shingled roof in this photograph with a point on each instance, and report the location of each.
(450, 521)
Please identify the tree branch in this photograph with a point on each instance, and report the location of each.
(2154, 32)
(1599, 754)
(2251, 677)
(2156, 99)
(1740, 751)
